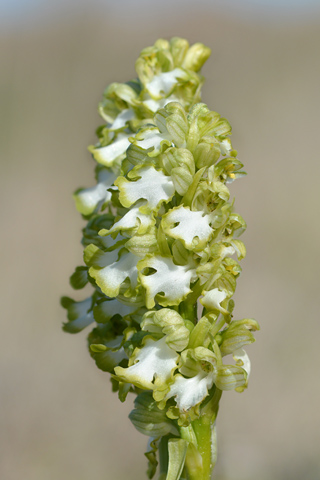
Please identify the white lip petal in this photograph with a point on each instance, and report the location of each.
(107, 155)
(121, 120)
(212, 299)
(133, 218)
(110, 277)
(113, 307)
(188, 392)
(154, 360)
(155, 105)
(164, 82)
(173, 281)
(191, 226)
(152, 139)
(152, 185)
(87, 199)
(242, 359)
(225, 146)
(90, 197)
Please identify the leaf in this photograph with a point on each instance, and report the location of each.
(177, 455)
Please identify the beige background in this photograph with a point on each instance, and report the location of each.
(58, 417)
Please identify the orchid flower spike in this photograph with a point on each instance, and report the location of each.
(161, 254)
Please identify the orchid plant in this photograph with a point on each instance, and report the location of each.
(161, 253)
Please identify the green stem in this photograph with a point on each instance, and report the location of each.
(201, 435)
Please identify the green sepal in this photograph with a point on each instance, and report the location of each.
(174, 158)
(176, 123)
(230, 377)
(148, 419)
(162, 240)
(124, 389)
(199, 334)
(137, 155)
(187, 199)
(237, 335)
(182, 179)
(181, 255)
(206, 154)
(145, 244)
(236, 225)
(167, 322)
(196, 56)
(240, 248)
(234, 339)
(178, 47)
(205, 123)
(79, 278)
(248, 323)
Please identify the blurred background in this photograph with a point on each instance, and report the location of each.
(58, 417)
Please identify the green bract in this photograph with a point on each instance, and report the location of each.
(161, 254)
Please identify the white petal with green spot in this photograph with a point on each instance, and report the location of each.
(164, 82)
(242, 359)
(88, 199)
(121, 120)
(188, 392)
(193, 227)
(153, 186)
(134, 218)
(172, 281)
(107, 155)
(111, 277)
(152, 139)
(154, 105)
(155, 360)
(212, 299)
(113, 307)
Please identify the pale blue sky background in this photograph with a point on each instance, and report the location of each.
(24, 13)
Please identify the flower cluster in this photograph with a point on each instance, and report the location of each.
(161, 244)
